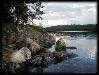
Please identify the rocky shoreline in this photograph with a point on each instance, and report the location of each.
(27, 48)
(41, 61)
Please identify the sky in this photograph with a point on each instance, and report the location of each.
(63, 13)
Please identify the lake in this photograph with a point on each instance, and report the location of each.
(73, 31)
(86, 62)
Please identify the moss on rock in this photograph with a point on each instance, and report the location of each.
(60, 45)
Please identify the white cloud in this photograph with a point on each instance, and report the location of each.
(93, 10)
(57, 13)
(48, 23)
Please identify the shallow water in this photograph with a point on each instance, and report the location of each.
(86, 62)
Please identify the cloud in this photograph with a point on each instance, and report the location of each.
(57, 13)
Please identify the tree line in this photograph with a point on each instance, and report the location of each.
(88, 27)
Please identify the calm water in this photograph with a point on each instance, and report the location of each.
(74, 31)
(86, 62)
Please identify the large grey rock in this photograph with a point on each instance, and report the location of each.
(26, 52)
(21, 55)
(17, 57)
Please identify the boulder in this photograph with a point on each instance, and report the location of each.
(17, 57)
(12, 39)
(22, 43)
(43, 59)
(34, 47)
(60, 55)
(53, 39)
(60, 45)
(4, 40)
(18, 67)
(48, 57)
(21, 55)
(29, 43)
(8, 39)
(26, 52)
(10, 67)
(49, 40)
(36, 61)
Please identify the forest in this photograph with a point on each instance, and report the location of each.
(88, 27)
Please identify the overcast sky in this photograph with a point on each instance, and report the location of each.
(62, 13)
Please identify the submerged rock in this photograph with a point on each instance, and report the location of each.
(60, 45)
